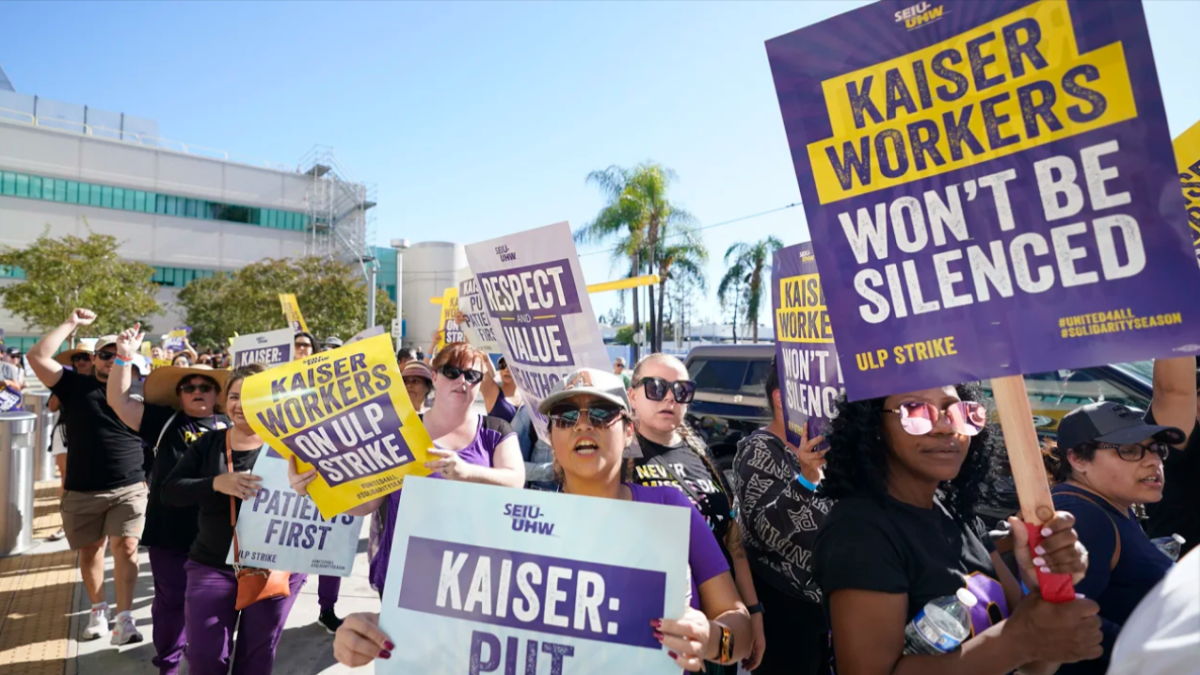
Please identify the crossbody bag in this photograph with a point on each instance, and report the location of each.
(253, 584)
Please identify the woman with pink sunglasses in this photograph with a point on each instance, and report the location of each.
(907, 471)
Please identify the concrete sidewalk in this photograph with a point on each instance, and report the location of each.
(44, 608)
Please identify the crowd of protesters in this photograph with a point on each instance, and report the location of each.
(804, 558)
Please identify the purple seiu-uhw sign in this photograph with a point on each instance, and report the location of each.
(990, 189)
(806, 358)
(528, 302)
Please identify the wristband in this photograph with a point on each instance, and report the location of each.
(806, 482)
(121, 362)
(756, 608)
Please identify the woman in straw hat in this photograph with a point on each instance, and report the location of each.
(180, 406)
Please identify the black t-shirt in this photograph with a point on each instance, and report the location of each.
(166, 526)
(1179, 510)
(190, 483)
(673, 465)
(104, 454)
(893, 547)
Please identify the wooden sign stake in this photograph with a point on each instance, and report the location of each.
(1029, 474)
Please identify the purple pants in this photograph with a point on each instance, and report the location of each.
(327, 592)
(211, 595)
(170, 588)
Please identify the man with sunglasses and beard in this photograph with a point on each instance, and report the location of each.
(106, 490)
(1108, 459)
(179, 407)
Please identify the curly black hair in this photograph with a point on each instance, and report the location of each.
(857, 463)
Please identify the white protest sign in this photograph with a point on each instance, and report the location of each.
(537, 300)
(478, 326)
(363, 335)
(270, 348)
(526, 577)
(279, 529)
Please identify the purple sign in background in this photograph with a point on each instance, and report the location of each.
(1060, 254)
(805, 355)
(528, 304)
(593, 601)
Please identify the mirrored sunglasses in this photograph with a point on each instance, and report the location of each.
(656, 389)
(918, 417)
(600, 415)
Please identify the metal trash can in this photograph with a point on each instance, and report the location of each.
(44, 468)
(16, 482)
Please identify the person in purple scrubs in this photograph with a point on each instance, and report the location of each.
(591, 432)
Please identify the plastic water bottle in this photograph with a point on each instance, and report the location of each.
(942, 625)
(1171, 546)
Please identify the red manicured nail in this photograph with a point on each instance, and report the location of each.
(658, 636)
(672, 655)
(385, 654)
(389, 645)
(657, 623)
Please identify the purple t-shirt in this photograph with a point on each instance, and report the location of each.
(488, 436)
(704, 554)
(503, 408)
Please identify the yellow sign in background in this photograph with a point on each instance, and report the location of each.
(449, 311)
(291, 311)
(346, 412)
(1187, 156)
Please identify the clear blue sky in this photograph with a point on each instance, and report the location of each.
(477, 119)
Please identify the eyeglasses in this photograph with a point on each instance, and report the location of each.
(917, 417)
(105, 356)
(600, 415)
(193, 388)
(656, 389)
(1134, 452)
(81, 357)
(471, 375)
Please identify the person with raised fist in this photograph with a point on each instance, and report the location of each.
(106, 491)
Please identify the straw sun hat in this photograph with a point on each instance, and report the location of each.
(161, 385)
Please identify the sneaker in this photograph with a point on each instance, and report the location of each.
(126, 631)
(97, 623)
(329, 620)
(57, 536)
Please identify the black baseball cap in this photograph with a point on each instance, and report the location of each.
(1110, 422)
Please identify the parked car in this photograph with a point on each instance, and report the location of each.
(731, 402)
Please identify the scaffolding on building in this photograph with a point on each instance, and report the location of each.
(341, 224)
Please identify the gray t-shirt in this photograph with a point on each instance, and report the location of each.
(10, 371)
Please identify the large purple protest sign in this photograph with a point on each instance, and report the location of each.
(537, 301)
(553, 595)
(10, 400)
(806, 359)
(990, 189)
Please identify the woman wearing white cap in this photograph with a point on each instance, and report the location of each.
(591, 431)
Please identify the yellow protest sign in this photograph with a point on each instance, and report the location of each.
(345, 412)
(450, 330)
(160, 363)
(291, 311)
(1187, 156)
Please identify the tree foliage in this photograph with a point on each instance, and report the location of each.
(332, 296)
(62, 274)
(746, 267)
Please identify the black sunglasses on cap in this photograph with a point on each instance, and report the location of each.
(471, 375)
(601, 415)
(656, 389)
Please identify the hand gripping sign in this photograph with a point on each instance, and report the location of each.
(810, 376)
(522, 582)
(345, 412)
(281, 530)
(271, 348)
(984, 185)
(535, 294)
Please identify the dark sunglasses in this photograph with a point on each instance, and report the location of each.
(471, 375)
(918, 417)
(105, 356)
(656, 389)
(304, 344)
(193, 388)
(1134, 452)
(81, 357)
(502, 364)
(600, 415)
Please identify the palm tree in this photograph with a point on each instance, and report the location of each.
(747, 266)
(683, 258)
(638, 214)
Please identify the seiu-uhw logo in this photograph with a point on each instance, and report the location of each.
(527, 518)
(919, 14)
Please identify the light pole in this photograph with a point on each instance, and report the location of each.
(401, 245)
(370, 268)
